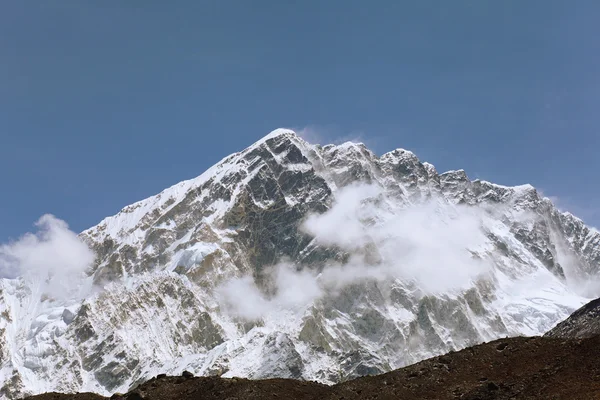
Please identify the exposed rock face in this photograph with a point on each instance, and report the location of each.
(161, 262)
(583, 323)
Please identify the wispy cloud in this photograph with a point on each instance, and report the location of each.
(54, 257)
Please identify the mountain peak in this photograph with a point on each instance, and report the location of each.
(277, 133)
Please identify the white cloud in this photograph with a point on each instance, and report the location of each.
(295, 290)
(343, 225)
(427, 244)
(54, 257)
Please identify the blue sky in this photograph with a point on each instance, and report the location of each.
(105, 103)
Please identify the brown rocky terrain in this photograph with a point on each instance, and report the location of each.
(512, 368)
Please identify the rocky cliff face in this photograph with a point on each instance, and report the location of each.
(379, 262)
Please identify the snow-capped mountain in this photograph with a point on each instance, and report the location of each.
(296, 260)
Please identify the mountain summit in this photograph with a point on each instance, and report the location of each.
(295, 260)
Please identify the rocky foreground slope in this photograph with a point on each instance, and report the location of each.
(583, 323)
(294, 260)
(515, 368)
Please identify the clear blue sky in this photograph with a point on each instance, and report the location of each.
(105, 103)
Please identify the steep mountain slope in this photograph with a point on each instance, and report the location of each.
(302, 261)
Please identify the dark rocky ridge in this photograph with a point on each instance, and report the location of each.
(514, 368)
(583, 323)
